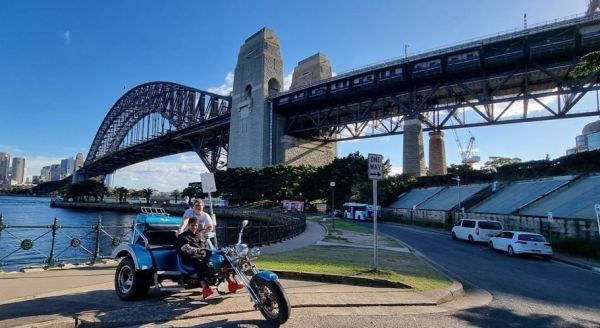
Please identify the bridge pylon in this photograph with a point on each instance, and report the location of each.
(413, 157)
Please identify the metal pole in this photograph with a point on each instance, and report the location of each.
(213, 218)
(375, 223)
(333, 207)
(54, 227)
(96, 258)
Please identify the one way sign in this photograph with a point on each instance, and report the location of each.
(375, 167)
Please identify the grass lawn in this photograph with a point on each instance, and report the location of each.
(399, 267)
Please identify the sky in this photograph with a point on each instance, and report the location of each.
(63, 64)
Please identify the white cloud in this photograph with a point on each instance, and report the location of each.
(67, 37)
(384, 139)
(396, 170)
(516, 109)
(225, 88)
(160, 174)
(287, 81)
(34, 164)
(11, 149)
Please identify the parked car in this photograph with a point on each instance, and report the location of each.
(476, 230)
(519, 242)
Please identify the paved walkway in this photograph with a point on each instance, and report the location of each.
(84, 296)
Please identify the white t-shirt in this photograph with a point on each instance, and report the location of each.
(203, 219)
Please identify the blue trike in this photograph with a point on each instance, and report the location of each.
(150, 259)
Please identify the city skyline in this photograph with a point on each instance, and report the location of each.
(95, 66)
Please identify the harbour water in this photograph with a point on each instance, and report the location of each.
(27, 237)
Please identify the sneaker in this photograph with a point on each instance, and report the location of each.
(233, 286)
(206, 292)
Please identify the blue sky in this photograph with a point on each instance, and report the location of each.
(63, 64)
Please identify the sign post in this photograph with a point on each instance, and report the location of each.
(375, 171)
(597, 207)
(208, 186)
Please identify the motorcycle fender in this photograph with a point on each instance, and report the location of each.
(265, 275)
(141, 257)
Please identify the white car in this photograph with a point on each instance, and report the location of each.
(519, 242)
(476, 230)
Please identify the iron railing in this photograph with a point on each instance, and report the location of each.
(56, 244)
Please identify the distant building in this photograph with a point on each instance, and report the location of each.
(35, 179)
(17, 170)
(78, 161)
(45, 174)
(588, 140)
(4, 168)
(67, 167)
(54, 172)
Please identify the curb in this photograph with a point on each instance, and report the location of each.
(577, 264)
(355, 281)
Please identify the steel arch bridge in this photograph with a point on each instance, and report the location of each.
(157, 119)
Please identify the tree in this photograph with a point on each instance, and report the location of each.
(147, 193)
(176, 194)
(191, 192)
(122, 192)
(495, 162)
(588, 64)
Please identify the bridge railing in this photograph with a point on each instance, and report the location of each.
(56, 244)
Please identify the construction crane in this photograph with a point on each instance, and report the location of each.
(467, 154)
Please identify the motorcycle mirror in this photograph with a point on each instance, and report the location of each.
(244, 223)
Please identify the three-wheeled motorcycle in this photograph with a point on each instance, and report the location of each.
(150, 259)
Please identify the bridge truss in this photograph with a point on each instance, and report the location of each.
(158, 119)
(524, 95)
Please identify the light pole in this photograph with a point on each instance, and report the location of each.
(457, 179)
(332, 185)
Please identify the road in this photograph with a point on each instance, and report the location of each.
(528, 292)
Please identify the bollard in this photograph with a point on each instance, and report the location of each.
(51, 260)
(98, 228)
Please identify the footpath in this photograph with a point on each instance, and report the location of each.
(84, 296)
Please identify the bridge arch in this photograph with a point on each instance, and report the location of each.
(153, 111)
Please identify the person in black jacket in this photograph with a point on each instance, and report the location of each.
(192, 248)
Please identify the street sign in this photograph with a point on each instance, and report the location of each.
(550, 217)
(208, 182)
(375, 167)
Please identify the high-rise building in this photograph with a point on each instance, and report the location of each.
(17, 170)
(4, 166)
(54, 172)
(67, 167)
(78, 161)
(45, 174)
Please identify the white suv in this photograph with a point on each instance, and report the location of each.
(476, 230)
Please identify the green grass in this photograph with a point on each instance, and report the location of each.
(399, 267)
(342, 227)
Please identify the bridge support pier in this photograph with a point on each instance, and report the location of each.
(413, 157)
(298, 151)
(437, 154)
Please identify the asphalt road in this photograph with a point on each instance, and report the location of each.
(527, 291)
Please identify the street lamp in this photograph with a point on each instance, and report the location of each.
(457, 179)
(332, 185)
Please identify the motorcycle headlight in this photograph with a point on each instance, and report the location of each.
(254, 252)
(241, 249)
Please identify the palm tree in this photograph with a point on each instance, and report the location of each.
(122, 194)
(176, 193)
(147, 193)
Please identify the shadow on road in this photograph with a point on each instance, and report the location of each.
(498, 317)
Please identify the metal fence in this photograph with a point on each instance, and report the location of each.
(55, 244)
